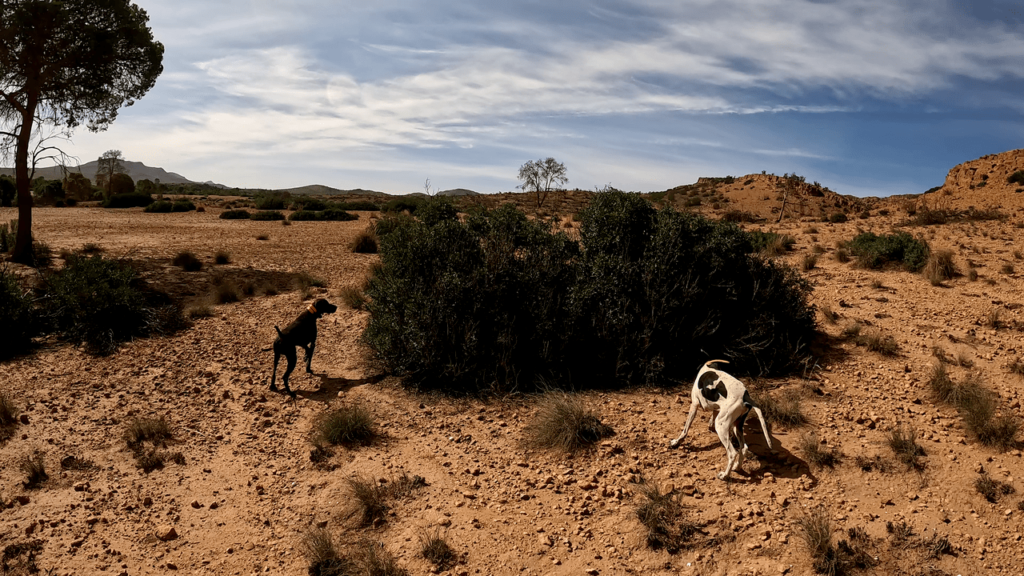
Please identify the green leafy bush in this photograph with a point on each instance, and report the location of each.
(102, 302)
(409, 203)
(837, 218)
(901, 249)
(437, 210)
(502, 302)
(234, 215)
(1016, 178)
(16, 315)
(272, 200)
(310, 204)
(266, 215)
(335, 215)
(129, 200)
(358, 205)
(302, 216)
(182, 206)
(160, 206)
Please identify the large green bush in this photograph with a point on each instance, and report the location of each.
(129, 200)
(160, 206)
(502, 302)
(899, 249)
(272, 200)
(17, 316)
(236, 214)
(404, 204)
(101, 303)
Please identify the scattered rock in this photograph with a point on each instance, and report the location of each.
(166, 533)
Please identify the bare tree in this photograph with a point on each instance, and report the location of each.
(109, 163)
(541, 176)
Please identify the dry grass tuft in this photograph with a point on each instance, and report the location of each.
(434, 547)
(377, 560)
(1016, 366)
(369, 501)
(808, 262)
(977, 406)
(875, 341)
(903, 442)
(842, 255)
(874, 463)
(663, 517)
(318, 547)
(1007, 268)
(8, 413)
(783, 409)
(353, 297)
(199, 310)
(940, 267)
(817, 456)
(187, 261)
(991, 488)
(828, 314)
(816, 532)
(34, 468)
(225, 291)
(994, 319)
(900, 534)
(351, 424)
(153, 430)
(365, 242)
(222, 257)
(564, 422)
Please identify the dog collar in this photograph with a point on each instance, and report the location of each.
(311, 309)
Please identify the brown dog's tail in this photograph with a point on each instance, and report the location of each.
(710, 362)
(279, 335)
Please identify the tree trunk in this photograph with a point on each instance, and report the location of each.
(23, 244)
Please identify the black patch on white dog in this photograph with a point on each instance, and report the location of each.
(711, 388)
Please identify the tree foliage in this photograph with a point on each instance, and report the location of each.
(108, 165)
(64, 63)
(540, 176)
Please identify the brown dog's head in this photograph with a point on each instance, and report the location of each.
(320, 307)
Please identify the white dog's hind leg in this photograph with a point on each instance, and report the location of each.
(686, 428)
(722, 426)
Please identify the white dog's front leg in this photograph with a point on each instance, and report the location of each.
(686, 428)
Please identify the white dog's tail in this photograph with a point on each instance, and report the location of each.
(764, 427)
(710, 362)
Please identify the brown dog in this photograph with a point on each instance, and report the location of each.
(302, 333)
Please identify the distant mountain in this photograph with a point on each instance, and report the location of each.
(137, 170)
(321, 190)
(458, 192)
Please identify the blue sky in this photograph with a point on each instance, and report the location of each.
(869, 97)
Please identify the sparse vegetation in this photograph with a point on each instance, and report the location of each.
(19, 319)
(34, 468)
(153, 430)
(903, 442)
(977, 407)
(236, 214)
(370, 498)
(827, 558)
(771, 244)
(318, 547)
(1016, 178)
(783, 408)
(739, 216)
(991, 488)
(225, 290)
(100, 302)
(187, 261)
(940, 267)
(994, 319)
(664, 518)
(564, 422)
(265, 215)
(1007, 268)
(837, 218)
(842, 255)
(808, 262)
(222, 257)
(350, 424)
(816, 455)
(352, 297)
(365, 242)
(434, 547)
(828, 314)
(8, 416)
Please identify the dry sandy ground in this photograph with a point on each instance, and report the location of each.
(248, 491)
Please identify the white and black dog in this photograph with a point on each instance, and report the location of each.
(717, 391)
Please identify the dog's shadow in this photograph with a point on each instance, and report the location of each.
(329, 387)
(778, 461)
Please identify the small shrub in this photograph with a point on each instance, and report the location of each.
(837, 218)
(187, 261)
(91, 248)
(739, 216)
(158, 206)
(875, 341)
(153, 430)
(265, 215)
(34, 468)
(102, 303)
(972, 275)
(349, 425)
(353, 297)
(663, 517)
(991, 488)
(1016, 366)
(852, 330)
(771, 243)
(1016, 178)
(226, 291)
(900, 533)
(307, 280)
(335, 215)
(1007, 268)
(816, 532)
(318, 547)
(377, 560)
(182, 206)
(817, 249)
(149, 460)
(937, 545)
(76, 463)
(993, 319)
(8, 411)
(19, 319)
(434, 547)
(828, 314)
(564, 422)
(877, 284)
(874, 251)
(263, 237)
(782, 409)
(903, 442)
(199, 310)
(817, 456)
(302, 216)
(874, 463)
(369, 500)
(842, 255)
(131, 200)
(234, 215)
(940, 267)
(177, 457)
(864, 215)
(222, 257)
(808, 262)
(365, 242)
